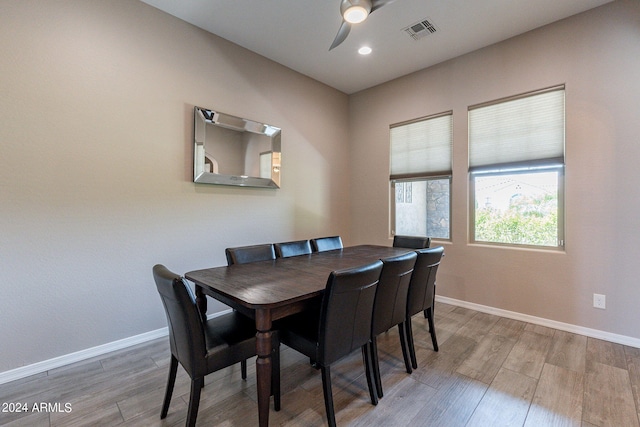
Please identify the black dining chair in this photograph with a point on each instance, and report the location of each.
(204, 346)
(390, 307)
(340, 326)
(412, 242)
(289, 249)
(323, 244)
(415, 242)
(421, 294)
(247, 254)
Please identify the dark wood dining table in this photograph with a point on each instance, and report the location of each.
(270, 290)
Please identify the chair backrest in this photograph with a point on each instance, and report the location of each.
(186, 332)
(390, 305)
(288, 249)
(413, 242)
(322, 244)
(247, 254)
(423, 280)
(345, 314)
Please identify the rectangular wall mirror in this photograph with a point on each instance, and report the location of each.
(230, 150)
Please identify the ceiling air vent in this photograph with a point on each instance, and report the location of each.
(420, 29)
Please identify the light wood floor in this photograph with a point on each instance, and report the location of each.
(490, 371)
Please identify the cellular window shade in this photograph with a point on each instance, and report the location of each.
(528, 129)
(421, 148)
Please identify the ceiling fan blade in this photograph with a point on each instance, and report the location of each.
(377, 4)
(343, 32)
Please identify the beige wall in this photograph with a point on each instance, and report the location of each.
(96, 104)
(597, 56)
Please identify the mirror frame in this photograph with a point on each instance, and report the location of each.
(203, 118)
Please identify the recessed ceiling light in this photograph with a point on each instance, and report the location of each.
(364, 50)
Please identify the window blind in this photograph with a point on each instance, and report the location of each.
(422, 148)
(528, 129)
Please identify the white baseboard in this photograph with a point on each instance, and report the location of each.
(567, 327)
(46, 365)
(78, 356)
(67, 359)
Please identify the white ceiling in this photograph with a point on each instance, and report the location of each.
(298, 33)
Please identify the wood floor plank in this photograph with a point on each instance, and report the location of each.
(609, 353)
(443, 308)
(462, 313)
(399, 406)
(438, 369)
(632, 352)
(105, 413)
(300, 408)
(307, 418)
(568, 350)
(234, 411)
(608, 400)
(485, 361)
(451, 406)
(633, 365)
(39, 419)
(478, 326)
(223, 388)
(150, 397)
(558, 398)
(529, 354)
(539, 329)
(447, 324)
(152, 419)
(508, 327)
(506, 402)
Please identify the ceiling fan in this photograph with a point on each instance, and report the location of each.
(354, 12)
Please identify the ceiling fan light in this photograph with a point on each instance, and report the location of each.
(355, 14)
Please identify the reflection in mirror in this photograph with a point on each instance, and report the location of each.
(230, 150)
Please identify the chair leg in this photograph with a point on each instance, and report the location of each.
(275, 376)
(432, 328)
(410, 344)
(433, 303)
(328, 396)
(373, 346)
(194, 401)
(243, 369)
(173, 369)
(403, 344)
(366, 357)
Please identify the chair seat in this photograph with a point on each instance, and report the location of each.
(229, 339)
(300, 332)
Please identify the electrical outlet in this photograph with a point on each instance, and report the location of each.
(599, 301)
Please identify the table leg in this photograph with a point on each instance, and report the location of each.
(263, 364)
(201, 301)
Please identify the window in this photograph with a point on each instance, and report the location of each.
(420, 176)
(516, 169)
